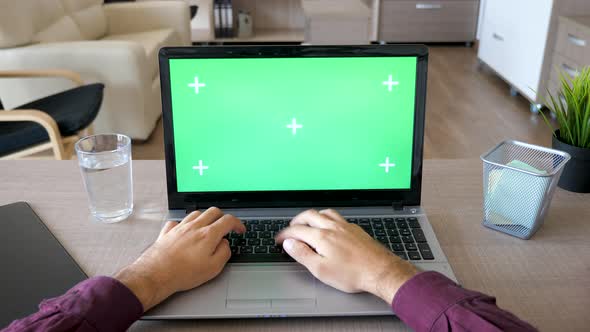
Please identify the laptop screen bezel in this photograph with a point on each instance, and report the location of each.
(299, 198)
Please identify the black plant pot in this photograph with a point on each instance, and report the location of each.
(576, 174)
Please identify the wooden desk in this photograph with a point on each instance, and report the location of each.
(545, 281)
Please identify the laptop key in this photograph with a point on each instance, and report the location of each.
(395, 239)
(377, 225)
(273, 227)
(248, 227)
(254, 242)
(392, 232)
(265, 235)
(240, 242)
(375, 219)
(408, 239)
(413, 222)
(419, 235)
(234, 235)
(400, 219)
(268, 242)
(261, 250)
(411, 247)
(401, 224)
(364, 221)
(252, 222)
(414, 255)
(251, 235)
(275, 249)
(401, 254)
(266, 222)
(380, 232)
(261, 258)
(405, 232)
(245, 250)
(366, 228)
(387, 219)
(382, 239)
(397, 247)
(352, 220)
(259, 228)
(425, 251)
(390, 225)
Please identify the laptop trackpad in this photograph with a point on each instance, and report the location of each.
(271, 289)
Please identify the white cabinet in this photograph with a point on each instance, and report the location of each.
(514, 37)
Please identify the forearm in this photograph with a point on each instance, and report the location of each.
(431, 302)
(144, 281)
(97, 304)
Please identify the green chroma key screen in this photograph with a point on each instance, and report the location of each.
(293, 123)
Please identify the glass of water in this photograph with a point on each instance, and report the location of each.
(105, 162)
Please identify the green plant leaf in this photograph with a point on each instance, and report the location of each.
(572, 109)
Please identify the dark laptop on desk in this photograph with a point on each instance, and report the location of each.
(35, 266)
(267, 132)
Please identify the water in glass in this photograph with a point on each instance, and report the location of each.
(106, 170)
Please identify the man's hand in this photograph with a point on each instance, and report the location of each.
(185, 255)
(343, 256)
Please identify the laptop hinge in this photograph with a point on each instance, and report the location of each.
(398, 205)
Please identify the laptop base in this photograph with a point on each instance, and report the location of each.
(287, 289)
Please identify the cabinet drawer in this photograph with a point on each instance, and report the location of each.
(428, 21)
(573, 41)
(496, 48)
(564, 66)
(560, 66)
(514, 47)
(554, 87)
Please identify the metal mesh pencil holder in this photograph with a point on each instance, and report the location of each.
(518, 183)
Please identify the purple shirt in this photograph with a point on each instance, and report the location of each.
(427, 302)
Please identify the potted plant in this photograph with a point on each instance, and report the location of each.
(571, 108)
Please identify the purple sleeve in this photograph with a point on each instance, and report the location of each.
(96, 304)
(432, 302)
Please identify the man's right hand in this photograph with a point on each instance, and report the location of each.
(185, 255)
(343, 256)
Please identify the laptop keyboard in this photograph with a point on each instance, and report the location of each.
(258, 243)
(403, 236)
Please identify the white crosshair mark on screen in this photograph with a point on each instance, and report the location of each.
(390, 83)
(200, 168)
(387, 165)
(294, 126)
(196, 85)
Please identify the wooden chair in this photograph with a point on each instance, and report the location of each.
(55, 122)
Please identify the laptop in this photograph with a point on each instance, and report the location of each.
(267, 132)
(35, 266)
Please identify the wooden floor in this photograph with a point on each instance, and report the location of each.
(469, 110)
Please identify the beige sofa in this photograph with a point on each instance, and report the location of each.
(202, 29)
(115, 44)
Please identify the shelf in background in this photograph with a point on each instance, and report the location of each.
(268, 35)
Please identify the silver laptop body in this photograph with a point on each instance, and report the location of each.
(271, 286)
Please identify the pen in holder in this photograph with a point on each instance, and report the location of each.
(518, 183)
